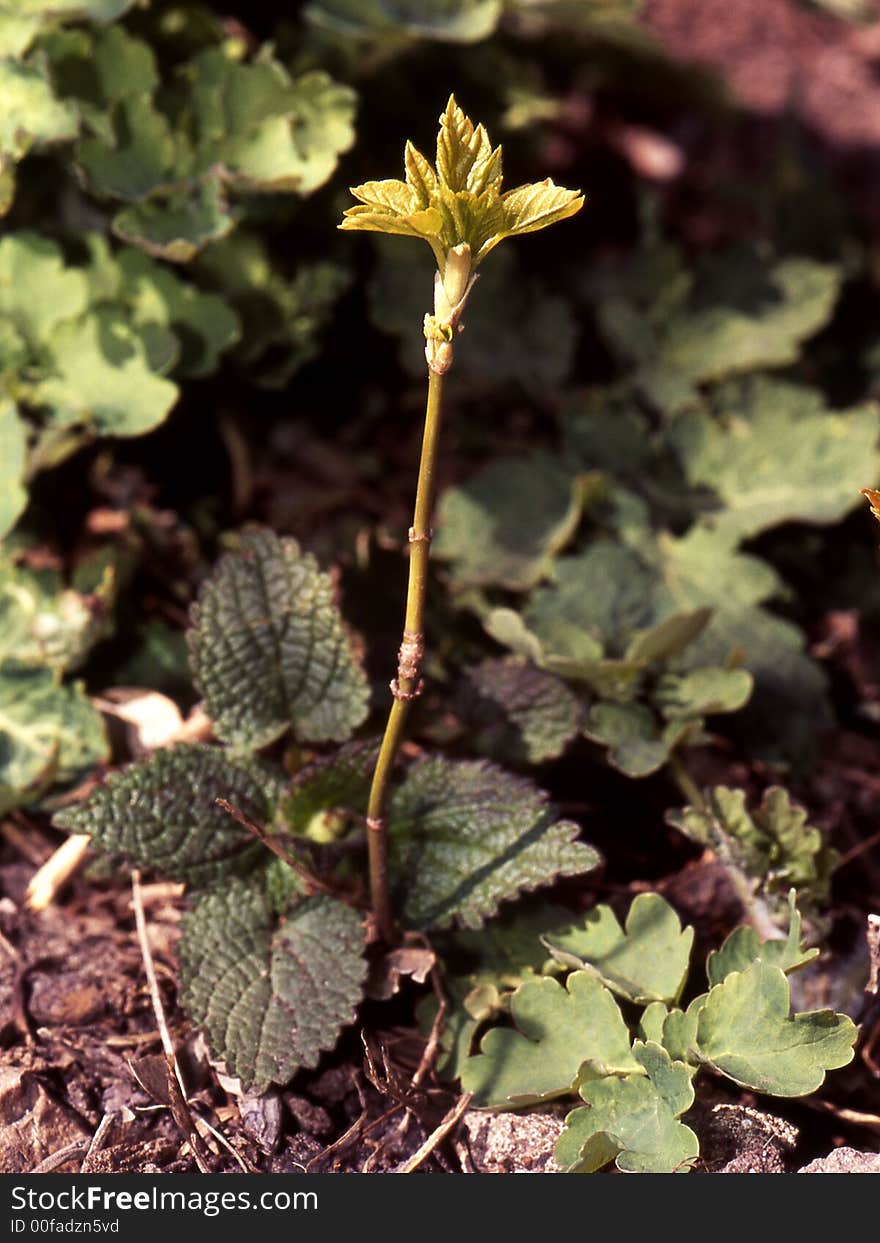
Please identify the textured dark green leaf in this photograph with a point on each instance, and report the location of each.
(161, 813)
(561, 1035)
(465, 836)
(746, 1031)
(505, 525)
(644, 962)
(269, 650)
(272, 994)
(634, 1120)
(516, 713)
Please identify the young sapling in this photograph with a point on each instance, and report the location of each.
(460, 210)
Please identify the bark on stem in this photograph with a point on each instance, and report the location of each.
(407, 685)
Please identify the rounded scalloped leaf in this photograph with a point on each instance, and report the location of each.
(269, 650)
(271, 996)
(558, 1030)
(646, 962)
(466, 835)
(633, 1119)
(160, 813)
(745, 1031)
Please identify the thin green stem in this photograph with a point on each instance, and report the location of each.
(408, 683)
(686, 784)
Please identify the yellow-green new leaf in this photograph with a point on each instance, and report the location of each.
(460, 200)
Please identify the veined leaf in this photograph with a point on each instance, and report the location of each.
(746, 1031)
(272, 994)
(161, 813)
(645, 962)
(465, 836)
(269, 650)
(517, 713)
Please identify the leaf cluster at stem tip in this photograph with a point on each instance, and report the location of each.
(458, 201)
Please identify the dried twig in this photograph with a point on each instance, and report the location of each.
(272, 843)
(449, 1122)
(61, 1157)
(56, 871)
(99, 1140)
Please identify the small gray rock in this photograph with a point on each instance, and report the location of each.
(844, 1161)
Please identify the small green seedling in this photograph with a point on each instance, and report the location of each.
(568, 1036)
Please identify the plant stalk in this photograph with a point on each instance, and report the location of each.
(407, 686)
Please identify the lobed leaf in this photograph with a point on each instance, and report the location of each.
(633, 1120)
(772, 452)
(644, 962)
(269, 651)
(744, 946)
(746, 1032)
(505, 526)
(13, 452)
(272, 994)
(561, 1034)
(49, 732)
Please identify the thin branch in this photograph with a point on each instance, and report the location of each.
(436, 1137)
(272, 843)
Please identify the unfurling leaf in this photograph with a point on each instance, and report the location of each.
(271, 993)
(561, 1035)
(633, 1120)
(744, 945)
(269, 650)
(458, 202)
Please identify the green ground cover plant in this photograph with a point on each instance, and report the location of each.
(628, 578)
